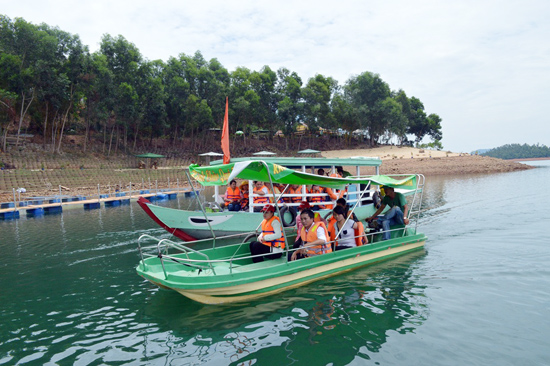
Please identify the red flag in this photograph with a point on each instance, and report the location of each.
(225, 134)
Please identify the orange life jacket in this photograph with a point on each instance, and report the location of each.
(244, 200)
(298, 190)
(311, 236)
(315, 199)
(262, 199)
(358, 233)
(334, 194)
(233, 194)
(267, 229)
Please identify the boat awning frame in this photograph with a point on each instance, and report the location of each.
(261, 170)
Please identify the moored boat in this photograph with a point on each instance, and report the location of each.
(223, 274)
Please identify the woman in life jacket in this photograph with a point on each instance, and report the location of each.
(232, 198)
(245, 195)
(346, 233)
(313, 236)
(270, 242)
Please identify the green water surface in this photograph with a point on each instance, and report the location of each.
(478, 294)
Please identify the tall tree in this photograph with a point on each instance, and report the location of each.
(289, 95)
(367, 94)
(317, 95)
(123, 59)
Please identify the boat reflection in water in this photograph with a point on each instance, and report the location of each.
(337, 320)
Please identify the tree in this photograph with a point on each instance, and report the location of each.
(123, 59)
(177, 90)
(421, 125)
(289, 96)
(152, 106)
(317, 95)
(367, 94)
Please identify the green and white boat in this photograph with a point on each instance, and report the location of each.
(211, 273)
(196, 225)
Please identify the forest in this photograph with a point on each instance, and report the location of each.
(51, 85)
(517, 151)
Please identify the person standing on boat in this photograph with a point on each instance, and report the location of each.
(270, 241)
(397, 213)
(314, 237)
(233, 197)
(263, 198)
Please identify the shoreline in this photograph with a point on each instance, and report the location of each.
(528, 159)
(395, 160)
(408, 160)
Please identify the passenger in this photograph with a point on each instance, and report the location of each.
(313, 237)
(397, 213)
(278, 189)
(306, 206)
(232, 198)
(260, 189)
(245, 195)
(315, 189)
(334, 194)
(342, 202)
(295, 189)
(350, 233)
(342, 172)
(270, 241)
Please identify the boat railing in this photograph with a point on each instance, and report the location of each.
(162, 252)
(163, 248)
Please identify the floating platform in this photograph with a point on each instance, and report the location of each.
(37, 206)
(92, 205)
(53, 209)
(112, 203)
(9, 215)
(32, 212)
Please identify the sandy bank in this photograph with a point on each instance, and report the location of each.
(430, 162)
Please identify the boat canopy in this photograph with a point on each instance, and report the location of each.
(262, 171)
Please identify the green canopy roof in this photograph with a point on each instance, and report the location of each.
(149, 156)
(256, 170)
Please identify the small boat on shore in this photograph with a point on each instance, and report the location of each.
(196, 225)
(214, 274)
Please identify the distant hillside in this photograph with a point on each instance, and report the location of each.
(517, 151)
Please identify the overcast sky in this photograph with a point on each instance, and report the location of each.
(483, 66)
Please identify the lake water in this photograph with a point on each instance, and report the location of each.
(478, 295)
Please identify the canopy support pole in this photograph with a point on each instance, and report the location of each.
(187, 172)
(277, 207)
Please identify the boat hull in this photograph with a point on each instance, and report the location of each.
(251, 281)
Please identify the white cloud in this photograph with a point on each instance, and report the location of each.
(483, 66)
